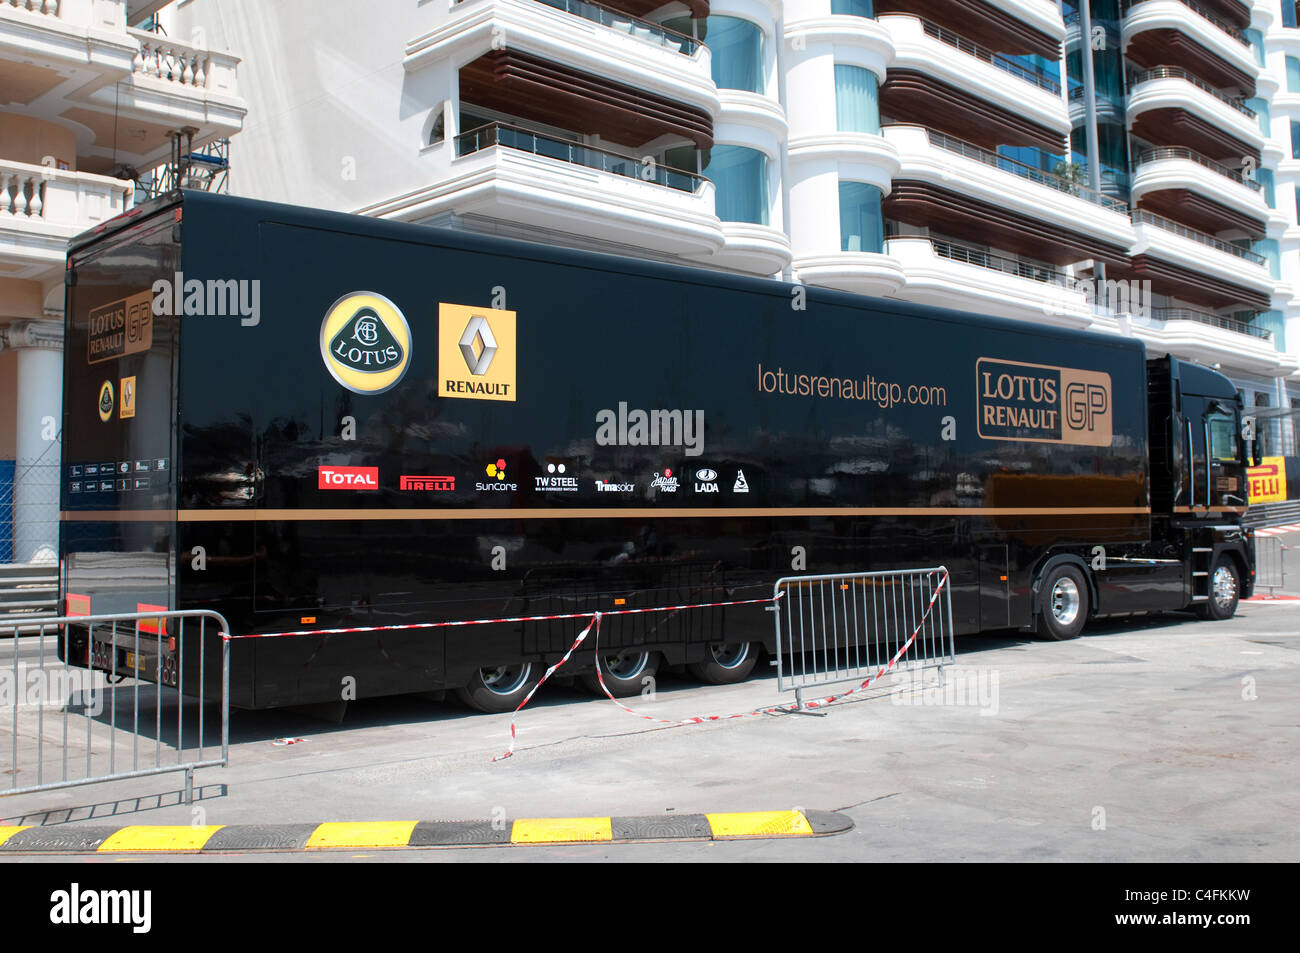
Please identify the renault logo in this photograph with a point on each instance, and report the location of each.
(478, 346)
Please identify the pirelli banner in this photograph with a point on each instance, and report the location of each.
(1268, 481)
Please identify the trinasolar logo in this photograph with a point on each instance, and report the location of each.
(365, 342)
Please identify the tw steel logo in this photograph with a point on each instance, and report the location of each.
(1042, 403)
(347, 478)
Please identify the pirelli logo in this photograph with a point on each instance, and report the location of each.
(1042, 403)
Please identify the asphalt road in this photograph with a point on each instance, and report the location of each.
(1156, 739)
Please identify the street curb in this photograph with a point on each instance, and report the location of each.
(371, 835)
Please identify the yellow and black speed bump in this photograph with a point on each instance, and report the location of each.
(369, 835)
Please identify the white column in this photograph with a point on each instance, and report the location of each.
(39, 419)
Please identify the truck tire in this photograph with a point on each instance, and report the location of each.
(623, 672)
(498, 689)
(727, 663)
(1063, 603)
(1225, 590)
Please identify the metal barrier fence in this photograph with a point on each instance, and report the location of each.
(1270, 565)
(844, 627)
(122, 691)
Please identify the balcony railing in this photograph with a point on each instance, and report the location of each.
(1147, 156)
(997, 161)
(35, 194)
(575, 153)
(48, 7)
(625, 23)
(1217, 320)
(1141, 217)
(1009, 266)
(1201, 12)
(1174, 72)
(988, 56)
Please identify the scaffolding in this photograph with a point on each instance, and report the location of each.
(206, 168)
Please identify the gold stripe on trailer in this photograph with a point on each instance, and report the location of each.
(546, 513)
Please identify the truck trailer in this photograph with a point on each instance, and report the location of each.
(308, 420)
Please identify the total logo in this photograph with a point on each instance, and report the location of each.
(496, 472)
(665, 482)
(557, 479)
(347, 478)
(706, 480)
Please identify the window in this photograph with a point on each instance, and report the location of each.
(1265, 179)
(1256, 41)
(1261, 112)
(853, 8)
(736, 46)
(1288, 13)
(1269, 249)
(861, 224)
(1223, 436)
(1292, 75)
(739, 177)
(1295, 139)
(856, 105)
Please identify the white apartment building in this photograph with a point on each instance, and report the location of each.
(89, 103)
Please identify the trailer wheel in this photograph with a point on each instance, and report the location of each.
(1225, 590)
(1063, 603)
(623, 672)
(727, 663)
(498, 689)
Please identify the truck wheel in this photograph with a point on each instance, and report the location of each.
(623, 672)
(1225, 589)
(499, 689)
(1063, 603)
(727, 663)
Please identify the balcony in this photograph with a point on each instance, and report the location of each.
(517, 177)
(951, 275)
(980, 174)
(1157, 32)
(1218, 263)
(960, 86)
(581, 35)
(1211, 339)
(41, 208)
(1207, 193)
(1158, 99)
(59, 37)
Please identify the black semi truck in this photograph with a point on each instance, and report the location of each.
(308, 420)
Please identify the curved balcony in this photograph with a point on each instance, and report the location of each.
(1211, 339)
(1200, 252)
(1206, 38)
(583, 36)
(42, 208)
(931, 156)
(752, 119)
(752, 249)
(868, 273)
(925, 48)
(1173, 88)
(950, 275)
(868, 39)
(860, 156)
(507, 173)
(1236, 201)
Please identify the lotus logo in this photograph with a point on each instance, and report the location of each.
(706, 475)
(478, 346)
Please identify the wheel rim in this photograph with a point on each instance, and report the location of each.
(625, 665)
(1065, 601)
(729, 655)
(1225, 586)
(505, 679)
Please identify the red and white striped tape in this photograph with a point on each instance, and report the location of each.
(701, 719)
